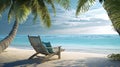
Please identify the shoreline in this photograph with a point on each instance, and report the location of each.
(82, 50)
(66, 50)
(14, 57)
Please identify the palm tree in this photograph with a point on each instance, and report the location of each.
(19, 10)
(111, 6)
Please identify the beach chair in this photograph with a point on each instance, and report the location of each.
(41, 47)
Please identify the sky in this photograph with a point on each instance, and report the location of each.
(94, 21)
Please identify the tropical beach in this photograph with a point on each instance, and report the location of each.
(75, 55)
(86, 31)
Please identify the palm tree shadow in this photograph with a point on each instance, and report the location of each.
(23, 63)
(27, 62)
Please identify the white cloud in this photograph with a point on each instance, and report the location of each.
(95, 13)
(86, 30)
(103, 30)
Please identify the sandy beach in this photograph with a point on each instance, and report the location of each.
(14, 57)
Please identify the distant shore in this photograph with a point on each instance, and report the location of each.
(14, 57)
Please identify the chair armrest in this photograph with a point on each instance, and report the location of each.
(58, 48)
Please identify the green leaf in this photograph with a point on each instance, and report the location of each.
(64, 3)
(22, 10)
(4, 4)
(84, 5)
(51, 2)
(44, 14)
(113, 9)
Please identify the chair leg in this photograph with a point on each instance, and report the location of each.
(33, 55)
(59, 52)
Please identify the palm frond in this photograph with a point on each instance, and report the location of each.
(11, 14)
(101, 1)
(34, 8)
(63, 3)
(4, 4)
(84, 5)
(44, 14)
(113, 9)
(22, 10)
(51, 2)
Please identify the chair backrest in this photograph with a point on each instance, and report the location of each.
(37, 44)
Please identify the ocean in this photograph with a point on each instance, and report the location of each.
(82, 43)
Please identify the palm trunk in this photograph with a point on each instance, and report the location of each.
(113, 9)
(8, 39)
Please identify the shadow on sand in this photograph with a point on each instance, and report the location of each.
(27, 62)
(23, 63)
(89, 62)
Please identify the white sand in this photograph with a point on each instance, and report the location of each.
(13, 57)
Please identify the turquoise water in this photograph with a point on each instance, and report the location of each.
(84, 43)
